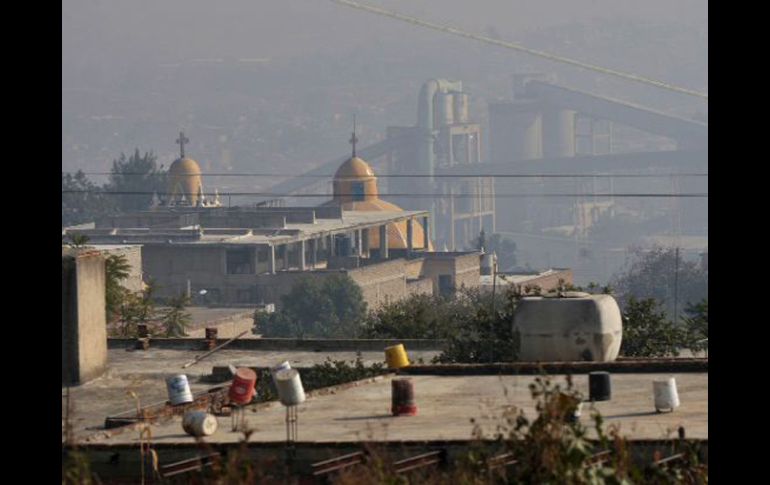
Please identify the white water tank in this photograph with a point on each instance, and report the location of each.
(575, 327)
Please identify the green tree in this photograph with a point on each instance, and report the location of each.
(656, 273)
(332, 307)
(116, 269)
(696, 324)
(81, 200)
(76, 240)
(488, 335)
(135, 178)
(415, 317)
(476, 325)
(647, 331)
(176, 320)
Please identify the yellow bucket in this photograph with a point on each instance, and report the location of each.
(396, 357)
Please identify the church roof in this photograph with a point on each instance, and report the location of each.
(355, 167)
(184, 166)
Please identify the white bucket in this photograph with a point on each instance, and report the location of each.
(289, 386)
(178, 390)
(666, 397)
(199, 423)
(283, 365)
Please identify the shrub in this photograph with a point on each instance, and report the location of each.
(647, 332)
(332, 307)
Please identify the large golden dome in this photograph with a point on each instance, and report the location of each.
(184, 179)
(355, 181)
(355, 167)
(355, 189)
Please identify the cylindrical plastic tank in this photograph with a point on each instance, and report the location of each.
(178, 390)
(665, 394)
(283, 365)
(582, 327)
(289, 384)
(402, 398)
(199, 423)
(395, 356)
(599, 386)
(243, 387)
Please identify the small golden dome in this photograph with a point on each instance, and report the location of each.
(184, 166)
(184, 179)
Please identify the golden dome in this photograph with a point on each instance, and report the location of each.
(354, 181)
(184, 166)
(396, 231)
(355, 189)
(184, 179)
(354, 168)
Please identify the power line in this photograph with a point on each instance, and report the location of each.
(495, 175)
(511, 45)
(414, 195)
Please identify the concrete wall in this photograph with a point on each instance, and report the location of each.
(84, 326)
(422, 286)
(382, 282)
(171, 266)
(464, 269)
(467, 271)
(550, 281)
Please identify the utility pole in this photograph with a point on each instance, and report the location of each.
(676, 286)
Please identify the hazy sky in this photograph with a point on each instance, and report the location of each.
(166, 30)
(123, 86)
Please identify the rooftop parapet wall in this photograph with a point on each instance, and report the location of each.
(84, 327)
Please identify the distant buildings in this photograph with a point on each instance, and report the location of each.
(247, 256)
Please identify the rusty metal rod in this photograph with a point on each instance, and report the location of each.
(198, 359)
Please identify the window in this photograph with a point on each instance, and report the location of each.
(445, 285)
(239, 261)
(357, 191)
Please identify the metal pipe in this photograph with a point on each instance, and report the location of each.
(198, 359)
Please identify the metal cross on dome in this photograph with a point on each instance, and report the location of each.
(353, 138)
(181, 141)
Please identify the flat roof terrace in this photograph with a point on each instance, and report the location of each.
(144, 372)
(446, 405)
(234, 232)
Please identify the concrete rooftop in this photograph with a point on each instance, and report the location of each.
(446, 405)
(144, 372)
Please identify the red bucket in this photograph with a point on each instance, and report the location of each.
(243, 387)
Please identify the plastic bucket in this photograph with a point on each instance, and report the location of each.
(178, 390)
(666, 395)
(395, 356)
(289, 385)
(402, 396)
(283, 365)
(243, 388)
(599, 386)
(199, 423)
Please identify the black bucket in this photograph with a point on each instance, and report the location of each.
(599, 388)
(402, 393)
